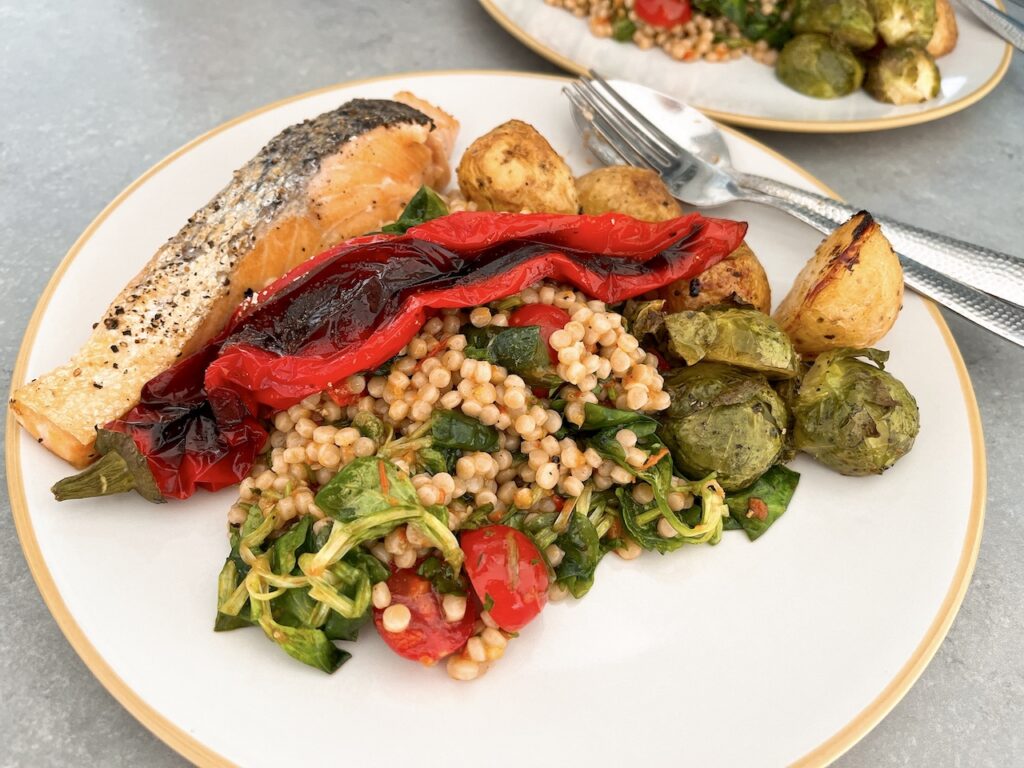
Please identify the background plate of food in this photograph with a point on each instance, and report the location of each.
(800, 639)
(724, 57)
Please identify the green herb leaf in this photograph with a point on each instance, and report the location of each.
(623, 30)
(774, 490)
(520, 350)
(454, 429)
(365, 486)
(283, 554)
(598, 417)
(582, 549)
(446, 580)
(425, 205)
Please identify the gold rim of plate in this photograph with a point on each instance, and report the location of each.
(771, 124)
(192, 749)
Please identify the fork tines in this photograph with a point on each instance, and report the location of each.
(635, 138)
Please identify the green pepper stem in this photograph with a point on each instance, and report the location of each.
(109, 475)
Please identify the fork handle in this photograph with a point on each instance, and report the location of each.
(1000, 274)
(999, 317)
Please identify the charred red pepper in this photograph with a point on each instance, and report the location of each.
(196, 424)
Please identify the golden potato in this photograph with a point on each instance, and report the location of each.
(945, 35)
(513, 168)
(849, 294)
(636, 192)
(738, 279)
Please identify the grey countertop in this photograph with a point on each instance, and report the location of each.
(94, 92)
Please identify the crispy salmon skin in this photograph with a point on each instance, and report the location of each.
(344, 173)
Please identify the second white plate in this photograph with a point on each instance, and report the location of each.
(744, 92)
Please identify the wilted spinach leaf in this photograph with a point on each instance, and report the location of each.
(454, 429)
(520, 350)
(425, 205)
(583, 552)
(445, 579)
(367, 485)
(283, 554)
(774, 490)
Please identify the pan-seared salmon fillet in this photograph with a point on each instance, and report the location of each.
(344, 173)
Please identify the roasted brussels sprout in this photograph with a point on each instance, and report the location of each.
(738, 279)
(636, 192)
(849, 21)
(853, 416)
(903, 76)
(742, 337)
(904, 22)
(815, 66)
(723, 420)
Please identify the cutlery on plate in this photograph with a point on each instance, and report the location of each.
(1003, 24)
(616, 131)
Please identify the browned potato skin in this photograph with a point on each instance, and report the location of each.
(945, 35)
(737, 279)
(513, 168)
(848, 295)
(636, 192)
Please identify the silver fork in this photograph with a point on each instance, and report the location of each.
(637, 141)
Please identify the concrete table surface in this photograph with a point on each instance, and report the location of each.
(94, 92)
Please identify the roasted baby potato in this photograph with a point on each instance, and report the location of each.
(903, 76)
(944, 37)
(738, 279)
(513, 168)
(636, 192)
(848, 295)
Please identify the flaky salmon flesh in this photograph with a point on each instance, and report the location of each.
(342, 174)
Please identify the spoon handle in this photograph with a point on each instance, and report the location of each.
(1000, 274)
(999, 317)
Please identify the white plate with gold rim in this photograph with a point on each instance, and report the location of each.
(787, 650)
(744, 92)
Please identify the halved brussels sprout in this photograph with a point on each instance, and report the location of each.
(853, 416)
(903, 76)
(815, 66)
(723, 420)
(849, 21)
(904, 22)
(736, 336)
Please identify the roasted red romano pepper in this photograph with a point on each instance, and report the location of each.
(197, 423)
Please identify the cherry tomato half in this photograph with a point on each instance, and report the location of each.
(548, 318)
(508, 574)
(429, 636)
(663, 13)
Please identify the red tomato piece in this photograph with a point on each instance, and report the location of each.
(429, 636)
(548, 318)
(663, 13)
(508, 574)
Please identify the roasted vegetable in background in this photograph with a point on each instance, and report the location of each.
(513, 168)
(849, 21)
(904, 22)
(739, 279)
(903, 76)
(773, 27)
(853, 416)
(816, 66)
(744, 338)
(945, 35)
(848, 295)
(723, 420)
(636, 192)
